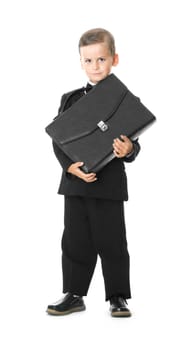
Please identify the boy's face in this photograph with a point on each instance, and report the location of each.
(97, 61)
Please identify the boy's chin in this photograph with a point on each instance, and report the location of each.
(96, 80)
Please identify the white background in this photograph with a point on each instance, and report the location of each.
(39, 62)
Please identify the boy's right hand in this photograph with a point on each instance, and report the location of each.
(75, 170)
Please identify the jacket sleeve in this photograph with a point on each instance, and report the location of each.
(63, 159)
(136, 149)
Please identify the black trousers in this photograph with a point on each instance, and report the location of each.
(95, 227)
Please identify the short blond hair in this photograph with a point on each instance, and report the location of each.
(98, 35)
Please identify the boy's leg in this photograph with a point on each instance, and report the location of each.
(78, 254)
(109, 235)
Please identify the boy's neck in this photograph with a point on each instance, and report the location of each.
(91, 83)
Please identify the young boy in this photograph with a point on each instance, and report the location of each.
(94, 203)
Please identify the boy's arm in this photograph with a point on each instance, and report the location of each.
(126, 149)
(69, 167)
(131, 156)
(63, 159)
(136, 148)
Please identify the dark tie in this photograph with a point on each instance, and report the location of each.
(88, 87)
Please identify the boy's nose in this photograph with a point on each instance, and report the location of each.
(95, 65)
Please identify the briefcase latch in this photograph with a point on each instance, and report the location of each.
(103, 126)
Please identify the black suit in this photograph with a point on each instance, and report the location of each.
(94, 222)
(112, 181)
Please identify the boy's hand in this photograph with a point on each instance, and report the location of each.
(75, 170)
(122, 148)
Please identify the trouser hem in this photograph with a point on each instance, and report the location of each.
(123, 295)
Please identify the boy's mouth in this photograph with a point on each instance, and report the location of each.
(97, 73)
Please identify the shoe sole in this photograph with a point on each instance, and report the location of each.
(121, 314)
(67, 312)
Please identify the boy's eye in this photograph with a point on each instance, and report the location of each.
(87, 60)
(101, 59)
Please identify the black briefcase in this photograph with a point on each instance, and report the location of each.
(86, 130)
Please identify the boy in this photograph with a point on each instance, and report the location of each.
(94, 203)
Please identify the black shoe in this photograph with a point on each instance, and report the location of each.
(70, 303)
(118, 307)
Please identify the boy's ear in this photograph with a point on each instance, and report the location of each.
(115, 60)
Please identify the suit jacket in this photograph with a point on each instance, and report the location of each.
(111, 181)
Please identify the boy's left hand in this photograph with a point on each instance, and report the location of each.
(122, 148)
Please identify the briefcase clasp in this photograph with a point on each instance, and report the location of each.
(103, 126)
